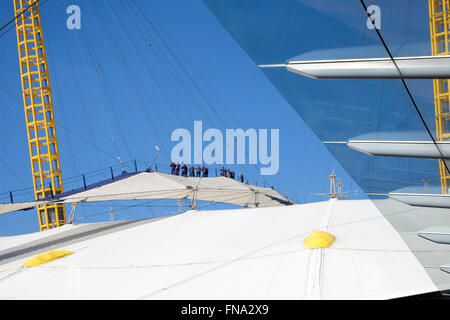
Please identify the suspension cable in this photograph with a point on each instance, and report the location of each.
(416, 108)
(18, 15)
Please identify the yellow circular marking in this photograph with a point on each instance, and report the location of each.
(319, 239)
(42, 258)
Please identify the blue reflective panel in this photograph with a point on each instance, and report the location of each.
(276, 32)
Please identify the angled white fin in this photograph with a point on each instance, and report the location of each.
(423, 199)
(423, 67)
(414, 149)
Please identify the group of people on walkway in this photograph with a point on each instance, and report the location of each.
(230, 174)
(200, 171)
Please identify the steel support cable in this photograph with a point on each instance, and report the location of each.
(77, 87)
(121, 114)
(24, 11)
(141, 100)
(250, 196)
(14, 121)
(18, 15)
(182, 82)
(11, 170)
(115, 46)
(10, 94)
(178, 62)
(110, 98)
(95, 173)
(85, 140)
(371, 166)
(60, 110)
(61, 114)
(184, 87)
(242, 89)
(186, 73)
(117, 17)
(138, 91)
(127, 68)
(107, 89)
(122, 208)
(14, 96)
(99, 100)
(142, 205)
(235, 121)
(11, 120)
(160, 91)
(61, 125)
(93, 85)
(96, 63)
(107, 212)
(166, 71)
(166, 65)
(166, 192)
(145, 204)
(5, 151)
(416, 108)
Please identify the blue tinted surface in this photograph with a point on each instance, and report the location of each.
(273, 32)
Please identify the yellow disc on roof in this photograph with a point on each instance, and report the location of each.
(319, 239)
(42, 258)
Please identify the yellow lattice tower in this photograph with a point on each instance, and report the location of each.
(37, 98)
(439, 34)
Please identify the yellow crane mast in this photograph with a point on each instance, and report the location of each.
(37, 98)
(439, 34)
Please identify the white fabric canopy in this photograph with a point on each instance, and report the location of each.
(255, 253)
(156, 185)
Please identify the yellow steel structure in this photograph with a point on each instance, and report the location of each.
(37, 98)
(440, 36)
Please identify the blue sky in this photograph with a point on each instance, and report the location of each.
(279, 31)
(140, 95)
